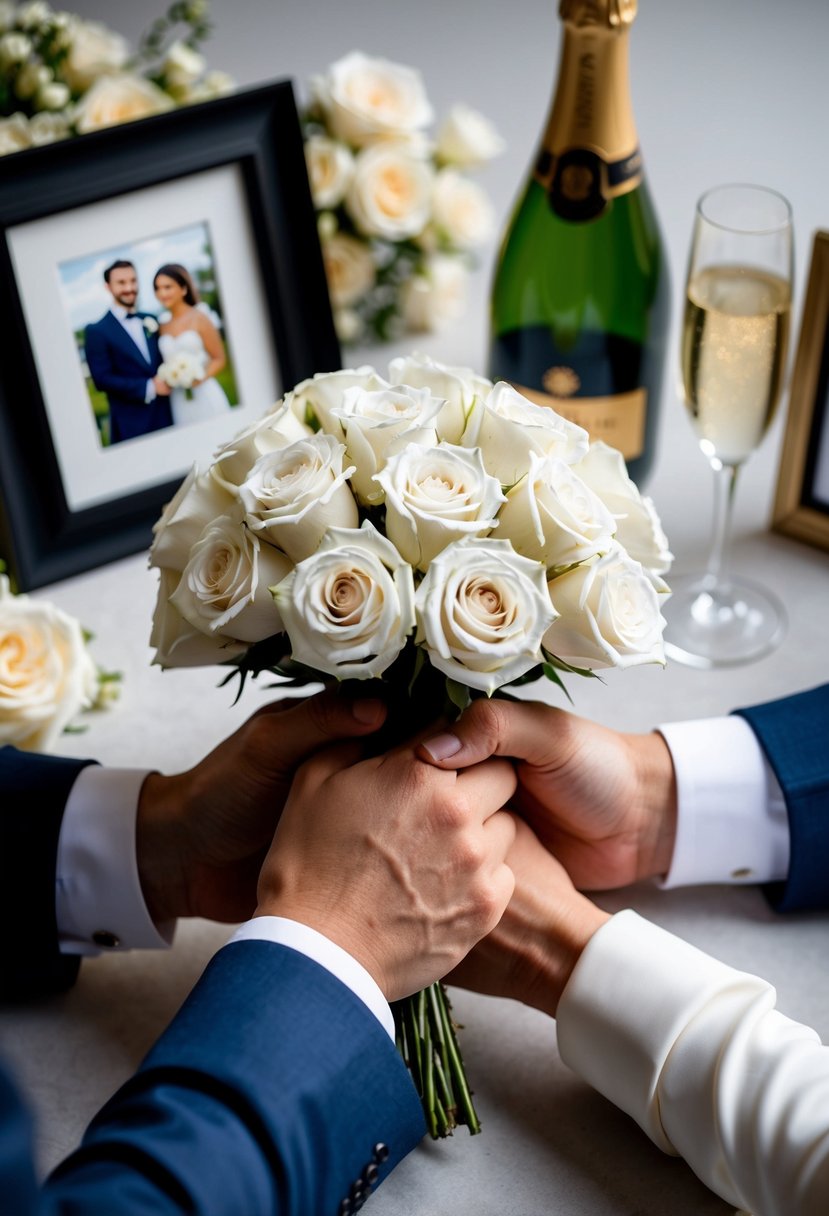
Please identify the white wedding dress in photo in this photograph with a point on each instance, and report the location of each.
(208, 399)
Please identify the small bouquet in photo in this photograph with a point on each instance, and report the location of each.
(429, 530)
(184, 369)
(61, 75)
(47, 674)
(399, 216)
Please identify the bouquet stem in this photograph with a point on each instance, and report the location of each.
(426, 1039)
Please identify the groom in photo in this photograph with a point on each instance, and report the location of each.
(123, 358)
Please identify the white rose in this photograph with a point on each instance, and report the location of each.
(15, 134)
(182, 66)
(507, 427)
(461, 210)
(47, 675)
(482, 611)
(638, 527)
(177, 643)
(319, 396)
(348, 324)
(52, 96)
(224, 586)
(33, 14)
(466, 138)
(437, 296)
(608, 614)
(458, 385)
(551, 516)
(198, 501)
(435, 496)
(330, 166)
(379, 424)
(14, 48)
(366, 99)
(390, 194)
(349, 269)
(213, 84)
(234, 460)
(349, 608)
(45, 128)
(31, 77)
(116, 99)
(94, 51)
(295, 495)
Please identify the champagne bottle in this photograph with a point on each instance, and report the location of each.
(580, 300)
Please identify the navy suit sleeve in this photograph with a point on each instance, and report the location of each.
(34, 793)
(794, 734)
(105, 378)
(275, 1091)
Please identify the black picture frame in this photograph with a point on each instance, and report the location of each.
(42, 538)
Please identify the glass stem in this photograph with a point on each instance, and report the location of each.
(725, 483)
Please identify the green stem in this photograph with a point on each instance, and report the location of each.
(458, 1072)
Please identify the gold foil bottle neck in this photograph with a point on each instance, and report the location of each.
(607, 14)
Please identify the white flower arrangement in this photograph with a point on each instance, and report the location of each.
(61, 75)
(398, 216)
(47, 674)
(432, 531)
(183, 370)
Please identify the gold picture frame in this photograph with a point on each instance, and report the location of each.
(801, 503)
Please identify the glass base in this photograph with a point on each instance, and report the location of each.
(721, 624)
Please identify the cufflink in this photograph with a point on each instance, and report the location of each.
(103, 937)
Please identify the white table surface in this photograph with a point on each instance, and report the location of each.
(722, 92)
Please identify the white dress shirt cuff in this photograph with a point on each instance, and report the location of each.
(322, 950)
(732, 825)
(98, 899)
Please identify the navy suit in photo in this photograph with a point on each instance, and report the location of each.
(119, 368)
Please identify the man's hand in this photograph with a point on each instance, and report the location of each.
(531, 952)
(161, 387)
(396, 862)
(202, 835)
(603, 803)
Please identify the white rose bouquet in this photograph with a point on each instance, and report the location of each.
(47, 675)
(431, 531)
(184, 370)
(399, 218)
(61, 75)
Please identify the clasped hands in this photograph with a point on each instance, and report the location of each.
(408, 860)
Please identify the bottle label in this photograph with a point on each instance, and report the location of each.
(619, 419)
(579, 183)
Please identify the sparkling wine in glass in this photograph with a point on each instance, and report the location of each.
(734, 345)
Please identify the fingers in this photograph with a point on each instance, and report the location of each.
(293, 733)
(488, 786)
(523, 730)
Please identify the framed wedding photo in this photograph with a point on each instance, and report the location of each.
(161, 286)
(801, 505)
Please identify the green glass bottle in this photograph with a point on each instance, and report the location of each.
(580, 299)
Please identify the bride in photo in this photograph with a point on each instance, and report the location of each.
(190, 331)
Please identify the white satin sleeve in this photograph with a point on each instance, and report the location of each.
(697, 1054)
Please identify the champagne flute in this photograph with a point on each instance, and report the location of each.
(734, 344)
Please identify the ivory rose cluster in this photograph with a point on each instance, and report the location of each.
(428, 514)
(399, 216)
(61, 75)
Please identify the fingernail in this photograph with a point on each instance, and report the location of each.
(441, 747)
(368, 711)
